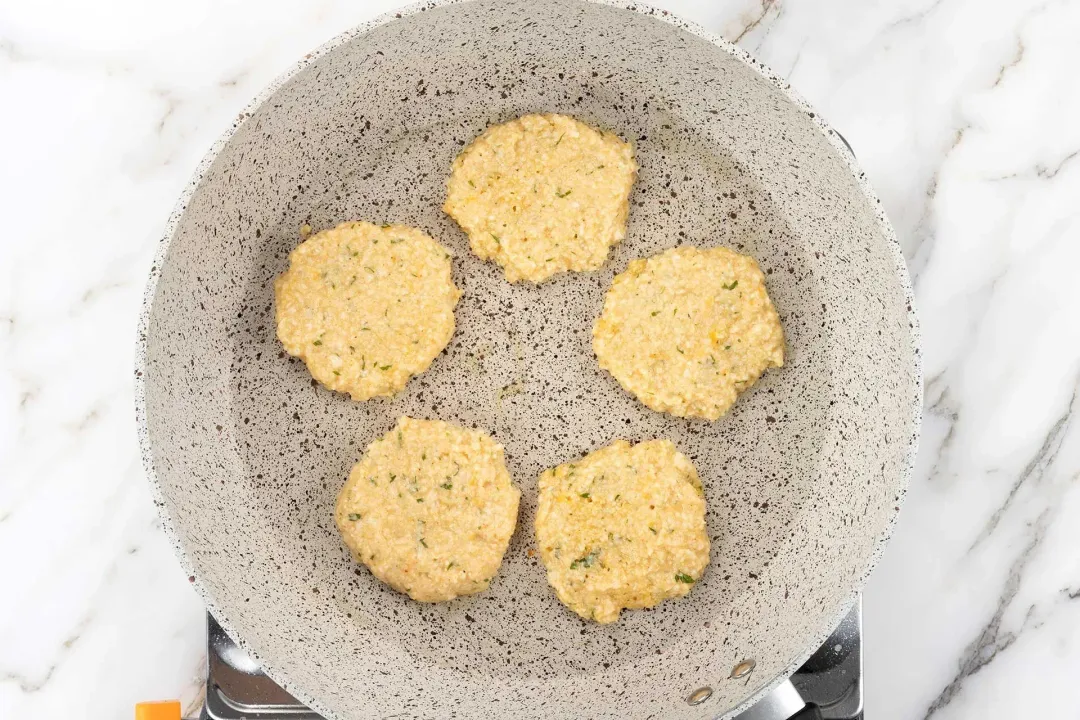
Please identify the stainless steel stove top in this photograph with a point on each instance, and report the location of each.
(236, 689)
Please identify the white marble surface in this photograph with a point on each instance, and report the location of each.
(966, 115)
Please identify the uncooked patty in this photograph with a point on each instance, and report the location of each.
(542, 194)
(624, 527)
(366, 307)
(430, 509)
(687, 330)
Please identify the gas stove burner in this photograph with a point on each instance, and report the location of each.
(832, 677)
(830, 681)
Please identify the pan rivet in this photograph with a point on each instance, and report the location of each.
(700, 695)
(743, 669)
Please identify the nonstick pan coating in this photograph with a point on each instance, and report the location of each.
(803, 477)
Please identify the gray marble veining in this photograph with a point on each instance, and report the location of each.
(962, 114)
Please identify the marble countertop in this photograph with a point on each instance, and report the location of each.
(965, 115)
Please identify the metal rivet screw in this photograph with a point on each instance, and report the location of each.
(700, 695)
(744, 668)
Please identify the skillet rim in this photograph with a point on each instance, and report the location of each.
(840, 145)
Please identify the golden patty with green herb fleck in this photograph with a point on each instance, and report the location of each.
(542, 194)
(624, 527)
(686, 331)
(366, 307)
(430, 509)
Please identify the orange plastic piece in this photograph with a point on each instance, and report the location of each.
(159, 710)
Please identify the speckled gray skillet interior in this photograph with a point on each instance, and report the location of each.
(803, 478)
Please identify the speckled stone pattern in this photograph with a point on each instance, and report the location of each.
(803, 477)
